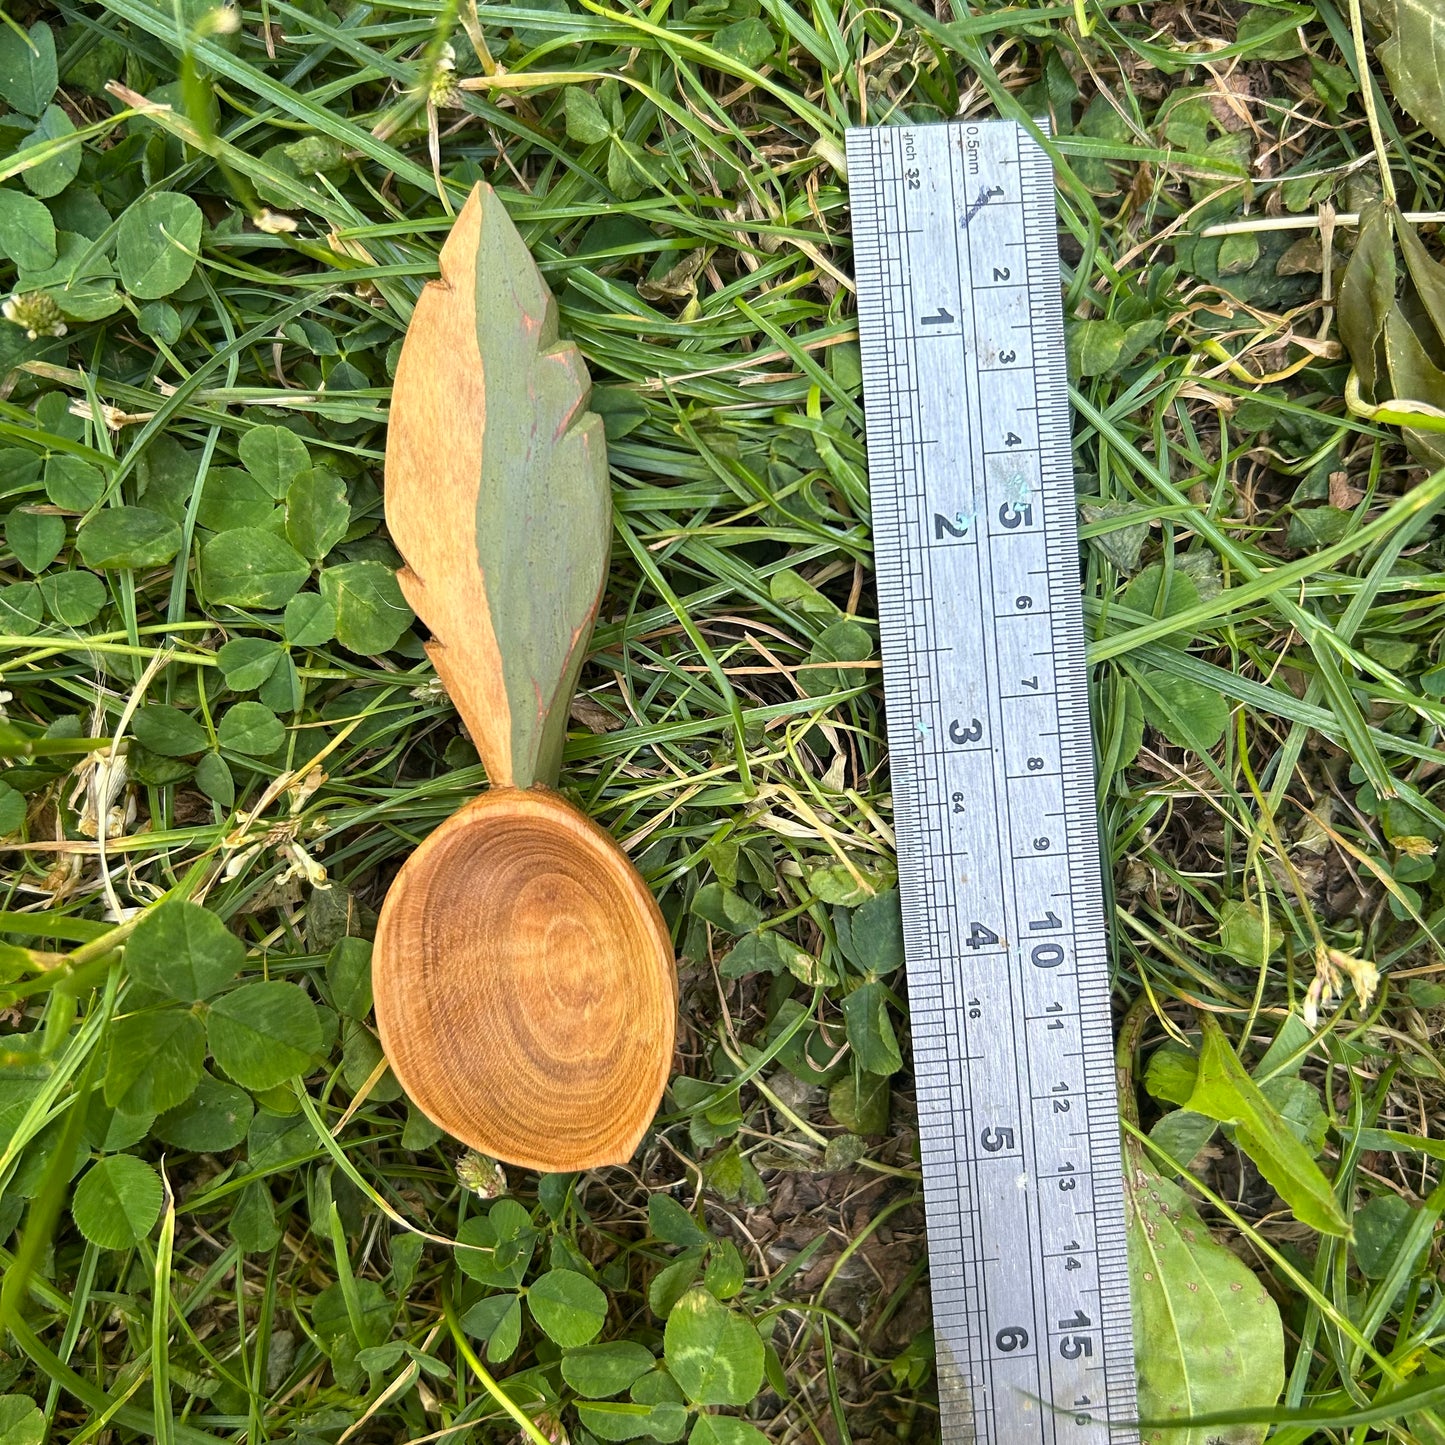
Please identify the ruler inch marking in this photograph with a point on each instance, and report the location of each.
(980, 614)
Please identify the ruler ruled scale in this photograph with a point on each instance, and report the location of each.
(966, 397)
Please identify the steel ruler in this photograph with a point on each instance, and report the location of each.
(966, 398)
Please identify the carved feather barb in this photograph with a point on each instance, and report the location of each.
(497, 494)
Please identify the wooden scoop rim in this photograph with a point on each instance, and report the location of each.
(616, 1145)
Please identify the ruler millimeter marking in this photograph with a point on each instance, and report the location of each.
(966, 398)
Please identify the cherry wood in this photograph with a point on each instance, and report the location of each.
(497, 494)
(528, 995)
(525, 984)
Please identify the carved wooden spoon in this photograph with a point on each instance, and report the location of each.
(524, 977)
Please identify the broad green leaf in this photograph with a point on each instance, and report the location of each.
(791, 590)
(725, 1430)
(1121, 545)
(21, 608)
(168, 731)
(1225, 1092)
(185, 951)
(28, 74)
(117, 1202)
(497, 1320)
(371, 614)
(250, 567)
(215, 1118)
(332, 1314)
(1367, 294)
(749, 42)
(841, 641)
(264, 1033)
(618, 1420)
(27, 232)
(246, 662)
(251, 728)
(348, 976)
(598, 1371)
(120, 537)
(488, 1263)
(1157, 592)
(71, 483)
(34, 537)
(755, 953)
(851, 885)
(669, 1284)
(1094, 346)
(317, 512)
(160, 320)
(232, 498)
(568, 1306)
(730, 1172)
(669, 1221)
(156, 245)
(871, 935)
(73, 598)
(502, 1344)
(12, 810)
(870, 1030)
(274, 456)
(1171, 1074)
(213, 778)
(310, 620)
(624, 175)
(79, 282)
(1426, 272)
(714, 1355)
(282, 691)
(1241, 932)
(21, 1421)
(860, 1102)
(360, 1054)
(585, 121)
(1381, 1225)
(506, 528)
(1297, 1102)
(1189, 714)
(253, 1221)
(726, 909)
(1414, 60)
(724, 1276)
(1414, 376)
(155, 1060)
(54, 129)
(1207, 1334)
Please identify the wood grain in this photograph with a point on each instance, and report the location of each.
(525, 985)
(497, 494)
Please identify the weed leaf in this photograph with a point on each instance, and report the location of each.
(1224, 1091)
(118, 1201)
(568, 1306)
(1207, 1333)
(264, 1033)
(184, 951)
(714, 1355)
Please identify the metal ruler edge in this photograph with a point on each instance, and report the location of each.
(1019, 1319)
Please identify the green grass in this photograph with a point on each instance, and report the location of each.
(1264, 584)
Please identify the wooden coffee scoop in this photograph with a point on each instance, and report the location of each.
(524, 978)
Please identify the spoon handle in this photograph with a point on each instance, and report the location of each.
(497, 494)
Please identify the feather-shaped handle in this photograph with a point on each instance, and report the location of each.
(497, 494)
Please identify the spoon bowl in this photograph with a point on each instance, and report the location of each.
(525, 987)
